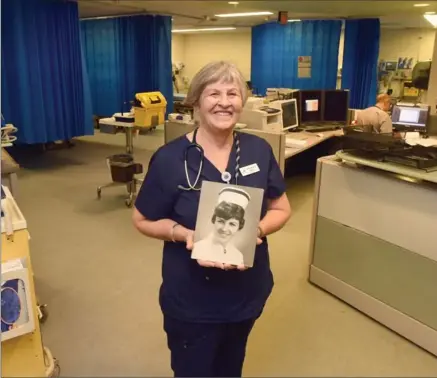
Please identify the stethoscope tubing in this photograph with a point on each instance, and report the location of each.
(198, 147)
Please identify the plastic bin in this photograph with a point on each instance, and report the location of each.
(123, 168)
(149, 109)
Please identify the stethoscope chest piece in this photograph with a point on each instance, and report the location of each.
(226, 177)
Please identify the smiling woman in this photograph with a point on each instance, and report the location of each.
(217, 84)
(210, 308)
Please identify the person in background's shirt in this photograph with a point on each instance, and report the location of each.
(376, 118)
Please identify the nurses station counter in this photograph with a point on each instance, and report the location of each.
(173, 130)
(374, 242)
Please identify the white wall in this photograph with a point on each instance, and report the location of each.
(412, 43)
(177, 48)
(199, 49)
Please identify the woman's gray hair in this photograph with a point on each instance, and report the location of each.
(215, 72)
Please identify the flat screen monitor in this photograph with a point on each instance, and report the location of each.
(290, 118)
(336, 106)
(310, 106)
(410, 118)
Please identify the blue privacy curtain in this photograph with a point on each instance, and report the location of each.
(44, 86)
(276, 48)
(127, 55)
(360, 61)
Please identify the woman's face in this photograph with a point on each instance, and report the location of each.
(225, 229)
(220, 106)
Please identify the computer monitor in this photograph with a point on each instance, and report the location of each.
(336, 106)
(410, 118)
(310, 106)
(290, 118)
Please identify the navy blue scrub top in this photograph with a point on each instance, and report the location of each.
(190, 292)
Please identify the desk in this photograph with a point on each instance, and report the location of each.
(427, 142)
(128, 129)
(311, 139)
(392, 168)
(9, 169)
(22, 356)
(373, 243)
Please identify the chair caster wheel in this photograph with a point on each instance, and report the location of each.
(99, 193)
(129, 202)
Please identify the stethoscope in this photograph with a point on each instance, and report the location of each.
(226, 176)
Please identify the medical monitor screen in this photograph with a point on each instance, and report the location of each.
(289, 114)
(336, 106)
(409, 117)
(310, 106)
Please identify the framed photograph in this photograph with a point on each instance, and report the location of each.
(227, 223)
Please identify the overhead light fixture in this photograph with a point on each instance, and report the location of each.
(296, 20)
(247, 14)
(432, 19)
(421, 5)
(233, 2)
(429, 12)
(201, 30)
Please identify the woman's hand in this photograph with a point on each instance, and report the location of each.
(212, 264)
(259, 236)
(238, 267)
(189, 239)
(242, 267)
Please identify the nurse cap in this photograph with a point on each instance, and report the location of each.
(234, 195)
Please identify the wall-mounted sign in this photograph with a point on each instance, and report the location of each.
(283, 17)
(304, 67)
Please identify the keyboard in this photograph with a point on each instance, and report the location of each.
(294, 143)
(320, 127)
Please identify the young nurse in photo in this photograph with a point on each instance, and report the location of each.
(227, 220)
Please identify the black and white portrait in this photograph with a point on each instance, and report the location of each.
(227, 223)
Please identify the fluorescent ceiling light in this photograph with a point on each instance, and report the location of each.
(247, 14)
(201, 30)
(429, 12)
(432, 19)
(233, 2)
(296, 20)
(421, 5)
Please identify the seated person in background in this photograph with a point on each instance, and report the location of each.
(376, 118)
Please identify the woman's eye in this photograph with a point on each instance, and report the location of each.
(233, 224)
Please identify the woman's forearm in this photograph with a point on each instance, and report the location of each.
(163, 229)
(277, 215)
(273, 221)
